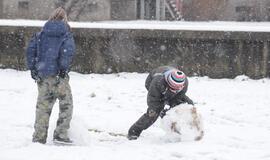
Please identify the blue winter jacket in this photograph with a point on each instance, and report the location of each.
(51, 50)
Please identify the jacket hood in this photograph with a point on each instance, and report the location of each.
(55, 28)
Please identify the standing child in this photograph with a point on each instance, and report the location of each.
(49, 56)
(165, 85)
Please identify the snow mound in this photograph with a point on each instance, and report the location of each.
(183, 123)
(242, 78)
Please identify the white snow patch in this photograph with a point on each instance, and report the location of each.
(154, 25)
(235, 114)
(183, 123)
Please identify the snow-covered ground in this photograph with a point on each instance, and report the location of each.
(236, 117)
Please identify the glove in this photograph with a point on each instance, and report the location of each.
(188, 100)
(163, 113)
(34, 75)
(62, 74)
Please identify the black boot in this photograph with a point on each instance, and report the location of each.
(145, 121)
(134, 132)
(61, 140)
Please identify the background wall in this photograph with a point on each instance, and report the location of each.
(214, 54)
(23, 9)
(226, 10)
(123, 10)
(1, 8)
(77, 10)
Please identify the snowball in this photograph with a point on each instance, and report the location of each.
(183, 123)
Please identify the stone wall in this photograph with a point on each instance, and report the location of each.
(200, 53)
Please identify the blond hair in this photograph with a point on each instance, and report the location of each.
(59, 14)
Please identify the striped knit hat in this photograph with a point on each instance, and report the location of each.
(175, 79)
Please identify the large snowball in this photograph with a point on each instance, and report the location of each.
(183, 123)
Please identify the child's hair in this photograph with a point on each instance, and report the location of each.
(59, 14)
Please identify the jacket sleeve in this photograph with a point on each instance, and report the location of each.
(31, 53)
(155, 97)
(186, 99)
(148, 81)
(67, 51)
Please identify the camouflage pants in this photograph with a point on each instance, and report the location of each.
(49, 90)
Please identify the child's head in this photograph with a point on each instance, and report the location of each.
(59, 14)
(175, 79)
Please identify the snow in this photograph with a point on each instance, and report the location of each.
(154, 25)
(236, 117)
(183, 123)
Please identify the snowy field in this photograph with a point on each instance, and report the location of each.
(236, 117)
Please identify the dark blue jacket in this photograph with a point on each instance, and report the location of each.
(51, 50)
